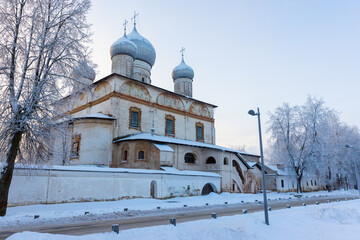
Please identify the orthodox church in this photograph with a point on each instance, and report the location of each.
(123, 121)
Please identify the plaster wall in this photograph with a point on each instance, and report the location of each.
(31, 186)
(95, 141)
(290, 184)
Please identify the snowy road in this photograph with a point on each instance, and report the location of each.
(161, 217)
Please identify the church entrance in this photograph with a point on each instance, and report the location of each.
(207, 189)
(153, 189)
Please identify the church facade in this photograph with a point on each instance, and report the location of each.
(124, 122)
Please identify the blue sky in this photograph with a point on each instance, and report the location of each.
(245, 54)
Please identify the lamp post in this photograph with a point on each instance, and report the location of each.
(252, 113)
(356, 170)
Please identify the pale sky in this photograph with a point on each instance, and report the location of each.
(245, 54)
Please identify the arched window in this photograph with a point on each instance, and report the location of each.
(125, 152)
(311, 182)
(226, 161)
(211, 160)
(189, 158)
(282, 183)
(141, 155)
(125, 155)
(75, 147)
(315, 182)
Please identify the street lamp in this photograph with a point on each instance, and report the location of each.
(252, 113)
(356, 170)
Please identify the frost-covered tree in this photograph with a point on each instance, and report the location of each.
(311, 138)
(336, 162)
(295, 136)
(41, 43)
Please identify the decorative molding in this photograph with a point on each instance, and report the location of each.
(136, 100)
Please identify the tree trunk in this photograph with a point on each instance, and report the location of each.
(7, 173)
(298, 185)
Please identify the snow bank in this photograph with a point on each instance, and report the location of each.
(328, 221)
(58, 213)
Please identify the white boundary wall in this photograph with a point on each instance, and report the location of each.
(72, 184)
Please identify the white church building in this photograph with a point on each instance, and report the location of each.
(140, 139)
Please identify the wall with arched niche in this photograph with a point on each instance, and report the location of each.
(199, 109)
(170, 100)
(136, 90)
(101, 90)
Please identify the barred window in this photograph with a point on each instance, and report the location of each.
(199, 132)
(135, 118)
(169, 125)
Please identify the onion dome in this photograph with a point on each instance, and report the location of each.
(83, 70)
(123, 46)
(146, 51)
(183, 71)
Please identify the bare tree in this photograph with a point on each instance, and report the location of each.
(41, 43)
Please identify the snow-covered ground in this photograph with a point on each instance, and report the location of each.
(58, 213)
(340, 220)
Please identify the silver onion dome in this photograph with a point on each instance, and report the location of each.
(146, 51)
(83, 70)
(183, 71)
(123, 46)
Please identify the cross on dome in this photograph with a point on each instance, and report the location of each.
(124, 24)
(182, 52)
(134, 17)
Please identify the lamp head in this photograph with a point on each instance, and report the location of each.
(252, 113)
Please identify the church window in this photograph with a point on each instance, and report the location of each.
(226, 161)
(170, 125)
(199, 132)
(141, 155)
(125, 155)
(211, 160)
(189, 158)
(75, 147)
(135, 118)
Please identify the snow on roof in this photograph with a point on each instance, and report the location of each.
(157, 138)
(97, 115)
(186, 172)
(252, 164)
(163, 147)
(276, 169)
(95, 168)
